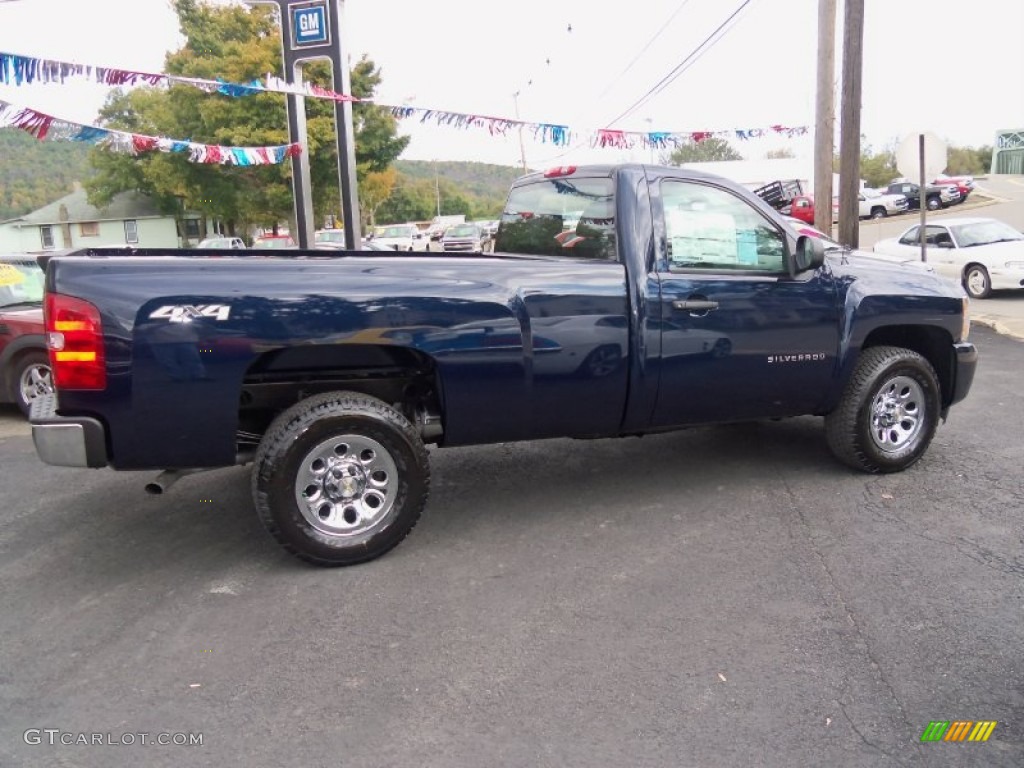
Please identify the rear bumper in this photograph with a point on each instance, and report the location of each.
(965, 363)
(66, 441)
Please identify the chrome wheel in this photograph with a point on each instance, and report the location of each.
(897, 414)
(36, 380)
(346, 486)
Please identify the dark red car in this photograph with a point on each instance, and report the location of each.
(24, 361)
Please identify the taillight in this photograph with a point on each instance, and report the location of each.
(562, 170)
(74, 336)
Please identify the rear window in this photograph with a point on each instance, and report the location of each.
(20, 282)
(572, 217)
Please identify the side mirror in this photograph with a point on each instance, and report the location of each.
(810, 253)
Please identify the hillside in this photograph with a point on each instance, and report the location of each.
(478, 180)
(34, 173)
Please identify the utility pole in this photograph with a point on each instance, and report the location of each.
(522, 149)
(825, 118)
(849, 141)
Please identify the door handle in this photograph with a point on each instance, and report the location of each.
(695, 305)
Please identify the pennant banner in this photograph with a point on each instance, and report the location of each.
(22, 70)
(563, 136)
(43, 126)
(26, 70)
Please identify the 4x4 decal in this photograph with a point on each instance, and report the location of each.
(186, 313)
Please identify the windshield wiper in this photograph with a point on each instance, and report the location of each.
(28, 303)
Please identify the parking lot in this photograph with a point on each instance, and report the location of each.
(726, 597)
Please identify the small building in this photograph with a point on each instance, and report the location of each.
(131, 218)
(1008, 152)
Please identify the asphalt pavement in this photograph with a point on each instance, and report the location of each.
(713, 597)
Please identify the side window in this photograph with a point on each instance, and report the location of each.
(708, 228)
(912, 237)
(934, 235)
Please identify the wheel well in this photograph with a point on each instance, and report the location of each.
(934, 344)
(402, 377)
(970, 264)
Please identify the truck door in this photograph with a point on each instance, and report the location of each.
(740, 338)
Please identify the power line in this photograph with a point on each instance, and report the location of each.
(681, 67)
(645, 48)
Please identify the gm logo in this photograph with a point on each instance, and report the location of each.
(309, 24)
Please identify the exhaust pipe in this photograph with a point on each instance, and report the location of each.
(166, 479)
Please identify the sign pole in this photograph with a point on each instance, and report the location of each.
(922, 196)
(311, 31)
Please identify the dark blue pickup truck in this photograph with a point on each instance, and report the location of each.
(621, 300)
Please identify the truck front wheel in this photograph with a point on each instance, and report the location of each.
(888, 412)
(340, 478)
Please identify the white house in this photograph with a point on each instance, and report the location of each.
(132, 218)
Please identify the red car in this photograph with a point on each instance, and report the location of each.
(24, 361)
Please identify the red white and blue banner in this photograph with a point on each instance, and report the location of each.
(24, 70)
(43, 126)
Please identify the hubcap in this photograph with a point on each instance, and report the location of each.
(976, 281)
(897, 414)
(346, 486)
(36, 381)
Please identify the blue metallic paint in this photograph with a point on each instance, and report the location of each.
(524, 347)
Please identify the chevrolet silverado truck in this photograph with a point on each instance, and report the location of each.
(621, 300)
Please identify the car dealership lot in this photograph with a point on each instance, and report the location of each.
(727, 596)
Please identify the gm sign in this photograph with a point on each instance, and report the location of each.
(309, 24)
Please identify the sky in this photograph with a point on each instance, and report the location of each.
(947, 66)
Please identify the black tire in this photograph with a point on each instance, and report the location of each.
(977, 282)
(878, 213)
(287, 457)
(31, 377)
(866, 431)
(934, 203)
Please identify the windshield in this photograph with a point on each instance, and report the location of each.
(20, 282)
(397, 232)
(985, 232)
(221, 242)
(560, 217)
(333, 236)
(871, 193)
(462, 231)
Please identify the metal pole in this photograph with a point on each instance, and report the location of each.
(437, 191)
(522, 149)
(302, 192)
(824, 135)
(922, 197)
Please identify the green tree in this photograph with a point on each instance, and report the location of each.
(969, 161)
(709, 149)
(239, 45)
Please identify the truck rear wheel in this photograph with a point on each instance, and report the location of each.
(340, 478)
(888, 412)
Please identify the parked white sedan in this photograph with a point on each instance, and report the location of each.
(983, 254)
